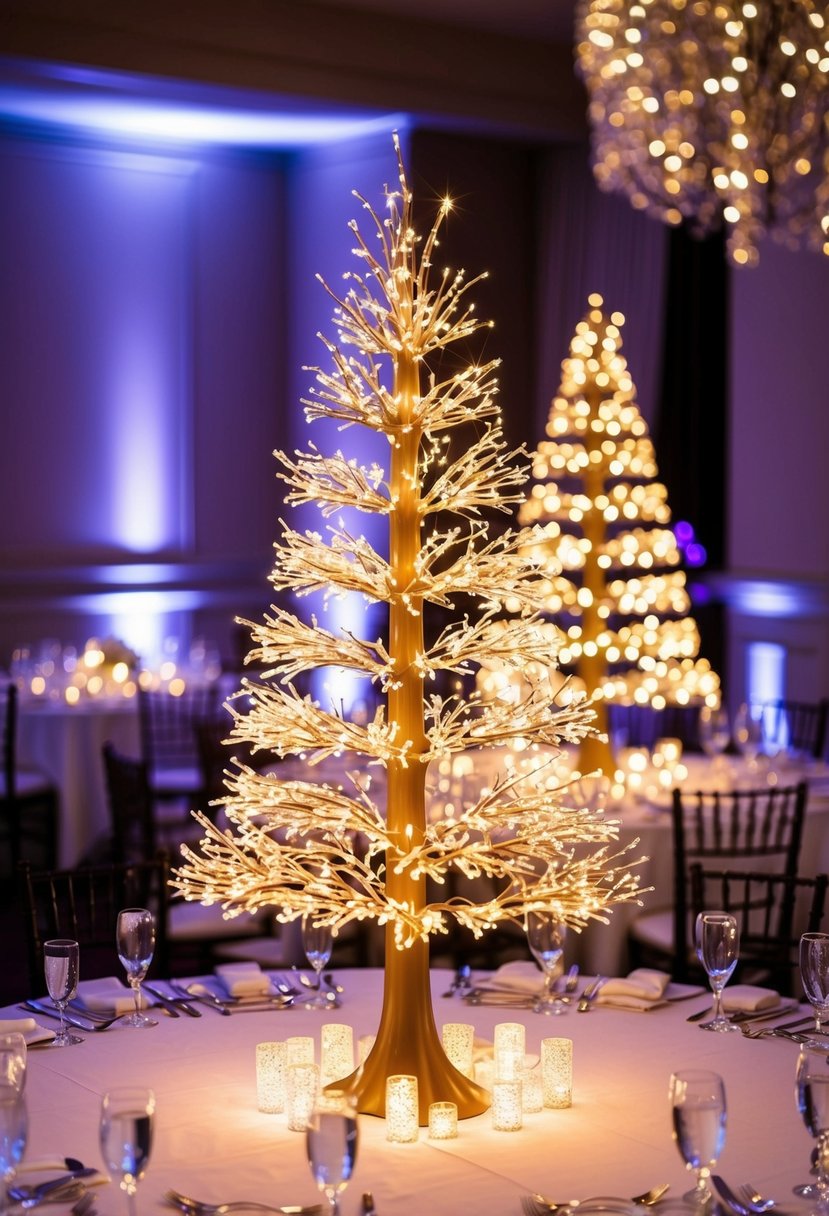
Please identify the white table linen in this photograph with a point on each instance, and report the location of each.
(212, 1142)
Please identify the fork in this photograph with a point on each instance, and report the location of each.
(196, 1207)
(753, 1198)
(38, 1007)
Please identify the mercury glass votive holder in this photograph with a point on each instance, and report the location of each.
(532, 1090)
(364, 1046)
(510, 1046)
(485, 1074)
(443, 1120)
(303, 1082)
(300, 1049)
(401, 1109)
(507, 1107)
(336, 1052)
(458, 1043)
(271, 1081)
(557, 1072)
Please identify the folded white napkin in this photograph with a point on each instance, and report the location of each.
(29, 1028)
(106, 995)
(243, 979)
(749, 998)
(519, 976)
(641, 989)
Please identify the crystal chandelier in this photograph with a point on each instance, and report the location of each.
(713, 112)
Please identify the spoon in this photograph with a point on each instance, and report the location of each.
(196, 1207)
(646, 1199)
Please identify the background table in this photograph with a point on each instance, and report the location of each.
(212, 1142)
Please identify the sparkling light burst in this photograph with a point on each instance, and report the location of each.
(713, 112)
(301, 846)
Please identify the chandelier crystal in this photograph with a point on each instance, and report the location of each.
(713, 112)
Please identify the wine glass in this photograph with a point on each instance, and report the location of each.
(718, 949)
(748, 733)
(545, 937)
(814, 973)
(812, 1096)
(698, 1112)
(60, 965)
(714, 733)
(13, 1054)
(331, 1142)
(13, 1131)
(317, 942)
(126, 1131)
(135, 937)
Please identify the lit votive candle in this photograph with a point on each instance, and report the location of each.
(557, 1072)
(485, 1073)
(336, 1052)
(303, 1082)
(271, 1065)
(667, 752)
(458, 1043)
(532, 1090)
(510, 1040)
(507, 1106)
(443, 1121)
(300, 1049)
(364, 1046)
(401, 1109)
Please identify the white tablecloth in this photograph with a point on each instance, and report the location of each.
(212, 1142)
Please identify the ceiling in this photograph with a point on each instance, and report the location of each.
(344, 67)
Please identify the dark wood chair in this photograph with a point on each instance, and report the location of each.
(29, 804)
(169, 747)
(798, 725)
(83, 904)
(740, 829)
(641, 725)
(772, 911)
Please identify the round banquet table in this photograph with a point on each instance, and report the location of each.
(212, 1142)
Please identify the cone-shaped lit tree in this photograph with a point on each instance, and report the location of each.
(613, 583)
(302, 847)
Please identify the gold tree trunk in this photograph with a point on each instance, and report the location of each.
(407, 1039)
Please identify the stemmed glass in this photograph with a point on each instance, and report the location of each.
(814, 973)
(331, 1142)
(135, 937)
(13, 1053)
(718, 949)
(545, 937)
(317, 942)
(748, 734)
(812, 1096)
(60, 966)
(13, 1132)
(698, 1112)
(126, 1131)
(714, 733)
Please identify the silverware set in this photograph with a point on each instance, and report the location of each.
(198, 1207)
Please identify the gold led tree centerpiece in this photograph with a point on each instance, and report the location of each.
(613, 582)
(303, 847)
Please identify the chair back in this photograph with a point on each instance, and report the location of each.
(747, 829)
(772, 911)
(642, 725)
(83, 904)
(799, 725)
(130, 800)
(28, 803)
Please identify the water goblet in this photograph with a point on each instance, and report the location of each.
(545, 937)
(317, 942)
(698, 1112)
(812, 1096)
(135, 938)
(13, 1053)
(714, 733)
(13, 1132)
(814, 973)
(60, 966)
(748, 733)
(718, 949)
(331, 1143)
(126, 1132)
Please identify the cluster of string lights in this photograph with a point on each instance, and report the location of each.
(712, 112)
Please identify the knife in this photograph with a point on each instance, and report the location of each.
(172, 1004)
(368, 1204)
(49, 1012)
(204, 998)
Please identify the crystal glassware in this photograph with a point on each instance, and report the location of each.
(13, 1132)
(698, 1112)
(718, 949)
(126, 1130)
(812, 1095)
(13, 1054)
(714, 733)
(135, 938)
(60, 966)
(814, 974)
(545, 937)
(317, 942)
(748, 733)
(331, 1141)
